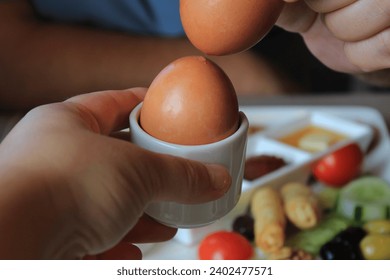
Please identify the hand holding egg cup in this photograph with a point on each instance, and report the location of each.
(191, 111)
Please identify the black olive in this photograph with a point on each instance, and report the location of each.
(244, 226)
(352, 234)
(344, 246)
(329, 251)
(339, 251)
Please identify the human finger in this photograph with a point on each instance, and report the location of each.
(359, 20)
(166, 177)
(326, 6)
(107, 111)
(371, 54)
(297, 17)
(121, 251)
(327, 48)
(148, 230)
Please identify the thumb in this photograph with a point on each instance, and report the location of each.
(165, 177)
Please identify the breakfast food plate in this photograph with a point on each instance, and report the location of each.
(270, 126)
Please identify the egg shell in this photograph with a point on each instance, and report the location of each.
(222, 27)
(190, 102)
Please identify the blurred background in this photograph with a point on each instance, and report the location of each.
(52, 50)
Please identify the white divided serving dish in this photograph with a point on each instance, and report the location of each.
(354, 122)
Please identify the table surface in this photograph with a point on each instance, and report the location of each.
(379, 101)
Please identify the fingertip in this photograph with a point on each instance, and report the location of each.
(220, 177)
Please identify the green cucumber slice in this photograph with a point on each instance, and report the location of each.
(312, 239)
(335, 223)
(365, 199)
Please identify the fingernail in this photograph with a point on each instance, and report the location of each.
(220, 177)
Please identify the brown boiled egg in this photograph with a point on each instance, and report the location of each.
(190, 102)
(221, 27)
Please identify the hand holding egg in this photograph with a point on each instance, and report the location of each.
(346, 35)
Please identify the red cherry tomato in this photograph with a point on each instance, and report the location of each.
(339, 167)
(225, 245)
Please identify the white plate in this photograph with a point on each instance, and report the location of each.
(377, 162)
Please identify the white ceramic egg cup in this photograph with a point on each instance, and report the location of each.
(229, 152)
